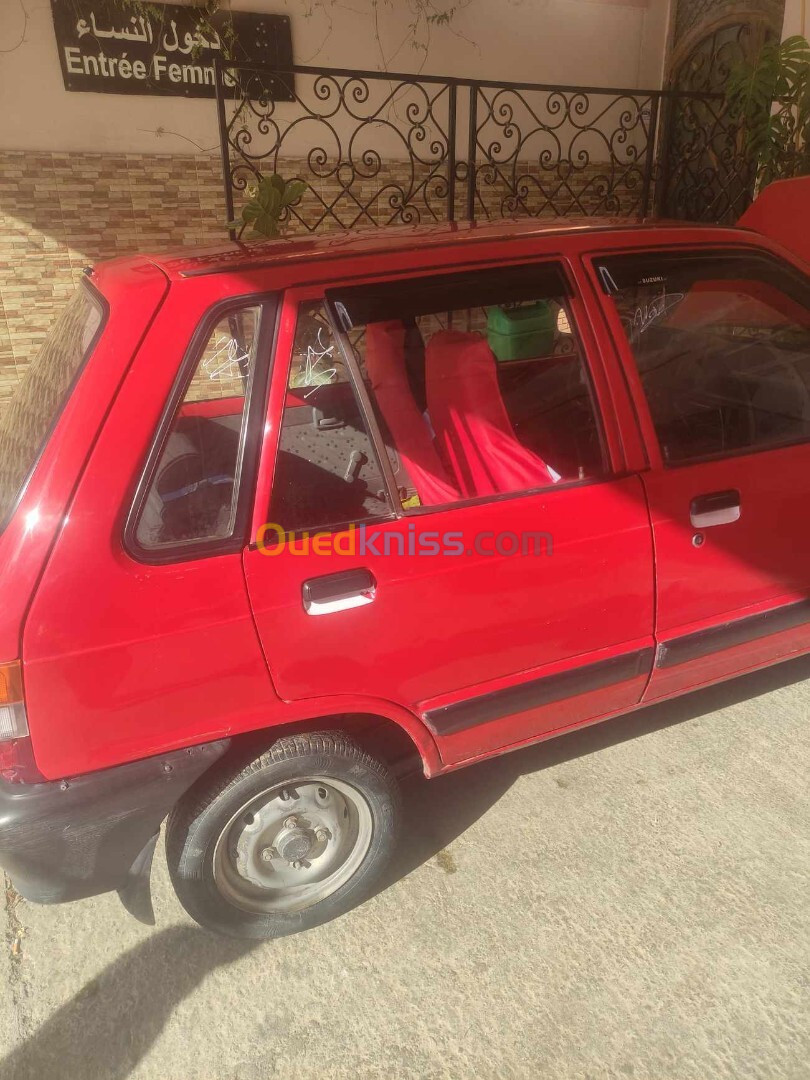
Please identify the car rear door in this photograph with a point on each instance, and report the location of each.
(516, 607)
(717, 351)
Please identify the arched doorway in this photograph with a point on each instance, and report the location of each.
(705, 174)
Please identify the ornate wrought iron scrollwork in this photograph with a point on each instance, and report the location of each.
(707, 174)
(371, 149)
(561, 151)
(376, 148)
(711, 178)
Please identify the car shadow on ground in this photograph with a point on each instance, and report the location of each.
(109, 1026)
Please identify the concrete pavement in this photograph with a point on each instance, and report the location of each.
(629, 901)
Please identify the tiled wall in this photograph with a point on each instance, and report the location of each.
(61, 212)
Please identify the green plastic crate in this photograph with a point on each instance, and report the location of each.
(521, 333)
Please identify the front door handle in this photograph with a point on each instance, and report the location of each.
(717, 508)
(338, 592)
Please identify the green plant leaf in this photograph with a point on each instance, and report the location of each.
(770, 99)
(268, 203)
(293, 192)
(266, 225)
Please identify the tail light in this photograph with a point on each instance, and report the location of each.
(13, 721)
(16, 756)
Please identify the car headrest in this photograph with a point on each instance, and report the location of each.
(455, 354)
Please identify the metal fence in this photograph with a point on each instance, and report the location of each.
(703, 175)
(378, 148)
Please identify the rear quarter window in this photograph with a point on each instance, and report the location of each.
(190, 498)
(30, 417)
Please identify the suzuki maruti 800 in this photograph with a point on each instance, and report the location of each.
(275, 517)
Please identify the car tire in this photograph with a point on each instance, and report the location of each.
(284, 842)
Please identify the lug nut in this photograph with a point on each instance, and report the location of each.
(297, 864)
(322, 835)
(267, 854)
(290, 822)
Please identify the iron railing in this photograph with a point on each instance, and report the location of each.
(704, 174)
(560, 150)
(376, 148)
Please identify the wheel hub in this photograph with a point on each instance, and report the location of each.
(294, 844)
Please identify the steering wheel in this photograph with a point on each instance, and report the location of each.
(697, 399)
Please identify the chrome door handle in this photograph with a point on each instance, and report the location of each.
(717, 508)
(338, 592)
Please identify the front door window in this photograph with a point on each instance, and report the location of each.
(722, 345)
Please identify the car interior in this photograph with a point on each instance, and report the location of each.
(191, 495)
(458, 422)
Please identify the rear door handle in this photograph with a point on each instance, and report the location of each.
(338, 592)
(717, 508)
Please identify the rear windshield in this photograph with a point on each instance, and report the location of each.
(27, 421)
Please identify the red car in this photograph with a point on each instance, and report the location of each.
(276, 516)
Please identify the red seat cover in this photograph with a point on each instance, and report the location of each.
(385, 364)
(472, 427)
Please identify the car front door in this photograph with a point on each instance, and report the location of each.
(445, 528)
(717, 348)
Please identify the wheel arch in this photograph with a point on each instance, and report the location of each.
(385, 731)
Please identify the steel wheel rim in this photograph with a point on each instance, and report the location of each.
(293, 845)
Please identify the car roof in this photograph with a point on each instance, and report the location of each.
(235, 256)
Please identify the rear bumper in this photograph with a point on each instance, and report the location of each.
(68, 839)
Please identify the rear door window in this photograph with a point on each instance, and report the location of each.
(28, 420)
(327, 471)
(478, 382)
